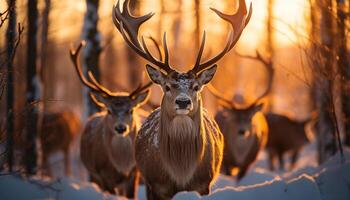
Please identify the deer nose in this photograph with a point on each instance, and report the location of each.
(241, 132)
(120, 128)
(183, 103)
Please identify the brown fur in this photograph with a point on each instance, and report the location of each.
(109, 157)
(240, 151)
(176, 153)
(285, 135)
(57, 133)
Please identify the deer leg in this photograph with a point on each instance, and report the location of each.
(241, 173)
(294, 158)
(280, 160)
(45, 165)
(132, 184)
(151, 195)
(226, 170)
(271, 160)
(67, 169)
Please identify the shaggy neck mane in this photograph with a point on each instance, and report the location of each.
(181, 140)
(120, 150)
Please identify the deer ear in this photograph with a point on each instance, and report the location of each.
(140, 99)
(155, 75)
(205, 76)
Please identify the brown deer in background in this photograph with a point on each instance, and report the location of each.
(107, 142)
(245, 129)
(179, 147)
(285, 135)
(57, 133)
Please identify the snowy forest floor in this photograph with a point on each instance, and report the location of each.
(308, 181)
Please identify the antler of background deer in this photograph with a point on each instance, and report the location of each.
(129, 26)
(267, 62)
(92, 83)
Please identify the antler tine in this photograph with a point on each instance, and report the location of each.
(98, 85)
(129, 26)
(238, 21)
(270, 71)
(219, 96)
(75, 54)
(140, 89)
(97, 102)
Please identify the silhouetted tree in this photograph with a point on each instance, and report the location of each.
(134, 70)
(323, 61)
(10, 40)
(93, 47)
(32, 91)
(343, 64)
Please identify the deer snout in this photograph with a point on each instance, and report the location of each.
(183, 103)
(120, 128)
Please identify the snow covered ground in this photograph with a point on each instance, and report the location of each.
(330, 181)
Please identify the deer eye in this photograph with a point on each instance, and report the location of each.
(167, 88)
(196, 88)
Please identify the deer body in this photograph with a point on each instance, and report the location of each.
(108, 156)
(185, 154)
(57, 133)
(285, 135)
(244, 137)
(107, 143)
(179, 147)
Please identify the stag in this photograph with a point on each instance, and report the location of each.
(57, 133)
(179, 146)
(245, 129)
(107, 142)
(285, 135)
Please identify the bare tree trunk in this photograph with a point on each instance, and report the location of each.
(43, 51)
(270, 44)
(343, 64)
(32, 88)
(197, 31)
(135, 71)
(93, 48)
(324, 88)
(10, 40)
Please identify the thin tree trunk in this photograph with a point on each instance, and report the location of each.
(270, 44)
(10, 40)
(324, 92)
(134, 69)
(43, 55)
(93, 48)
(197, 31)
(343, 64)
(32, 88)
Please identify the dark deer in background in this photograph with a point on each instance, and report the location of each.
(179, 147)
(107, 142)
(285, 135)
(245, 129)
(57, 133)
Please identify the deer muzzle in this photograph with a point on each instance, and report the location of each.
(183, 105)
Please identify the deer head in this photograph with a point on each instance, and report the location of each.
(241, 117)
(181, 90)
(120, 106)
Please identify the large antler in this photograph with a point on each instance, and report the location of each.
(238, 21)
(129, 26)
(226, 103)
(267, 62)
(140, 89)
(93, 84)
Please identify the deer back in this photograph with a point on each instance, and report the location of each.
(285, 133)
